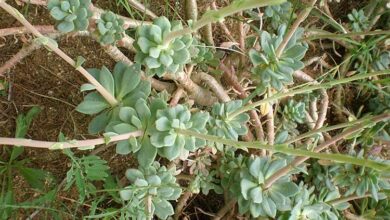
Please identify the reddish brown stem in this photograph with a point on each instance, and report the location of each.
(232, 80)
(176, 96)
(181, 204)
(180, 91)
(223, 26)
(214, 85)
(200, 95)
(324, 101)
(222, 212)
(24, 52)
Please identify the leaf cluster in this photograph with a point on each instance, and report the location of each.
(156, 185)
(278, 14)
(308, 206)
(360, 180)
(124, 84)
(273, 71)
(222, 125)
(157, 56)
(71, 15)
(109, 28)
(359, 22)
(170, 144)
(295, 111)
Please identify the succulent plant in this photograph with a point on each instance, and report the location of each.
(382, 62)
(140, 117)
(360, 180)
(205, 183)
(264, 202)
(171, 144)
(71, 15)
(109, 28)
(156, 184)
(125, 85)
(274, 71)
(295, 111)
(377, 210)
(278, 14)
(379, 104)
(157, 56)
(359, 20)
(307, 206)
(203, 56)
(222, 125)
(244, 177)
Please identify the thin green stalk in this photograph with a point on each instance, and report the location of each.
(329, 128)
(283, 148)
(347, 199)
(305, 90)
(218, 15)
(343, 36)
(340, 158)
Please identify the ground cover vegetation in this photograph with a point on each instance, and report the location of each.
(241, 109)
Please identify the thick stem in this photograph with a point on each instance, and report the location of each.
(176, 96)
(191, 10)
(217, 15)
(222, 212)
(200, 95)
(242, 40)
(324, 101)
(181, 204)
(27, 50)
(15, 13)
(301, 17)
(207, 33)
(214, 85)
(44, 29)
(324, 34)
(299, 160)
(270, 123)
(307, 89)
(71, 144)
